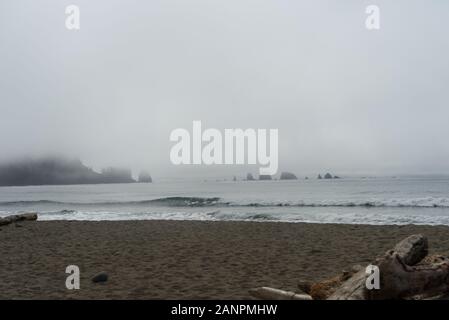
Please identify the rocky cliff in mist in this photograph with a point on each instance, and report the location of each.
(58, 171)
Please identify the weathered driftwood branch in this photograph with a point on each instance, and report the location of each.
(400, 274)
(405, 273)
(18, 217)
(412, 249)
(399, 280)
(266, 293)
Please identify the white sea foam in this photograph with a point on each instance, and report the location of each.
(310, 217)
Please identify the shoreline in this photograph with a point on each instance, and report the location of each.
(256, 221)
(245, 221)
(172, 259)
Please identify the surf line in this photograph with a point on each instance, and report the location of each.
(211, 147)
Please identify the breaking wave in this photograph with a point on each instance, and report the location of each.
(168, 201)
(428, 202)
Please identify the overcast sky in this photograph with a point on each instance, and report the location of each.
(344, 99)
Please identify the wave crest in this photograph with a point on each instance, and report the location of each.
(429, 202)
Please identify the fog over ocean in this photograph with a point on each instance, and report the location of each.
(343, 98)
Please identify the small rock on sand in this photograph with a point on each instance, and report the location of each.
(100, 277)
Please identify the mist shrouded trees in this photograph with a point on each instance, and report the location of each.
(58, 171)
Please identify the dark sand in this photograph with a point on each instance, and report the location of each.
(183, 259)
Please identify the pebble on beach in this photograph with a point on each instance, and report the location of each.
(100, 277)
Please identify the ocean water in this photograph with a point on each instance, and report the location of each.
(401, 200)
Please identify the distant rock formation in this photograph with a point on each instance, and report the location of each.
(265, 177)
(144, 177)
(234, 178)
(249, 177)
(287, 176)
(328, 176)
(57, 171)
(116, 175)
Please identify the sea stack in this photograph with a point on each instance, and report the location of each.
(328, 176)
(144, 177)
(288, 176)
(249, 177)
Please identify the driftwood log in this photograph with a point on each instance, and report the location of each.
(17, 218)
(267, 293)
(405, 272)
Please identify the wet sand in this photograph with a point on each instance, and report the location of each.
(186, 259)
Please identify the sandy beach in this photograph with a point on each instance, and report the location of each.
(186, 259)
